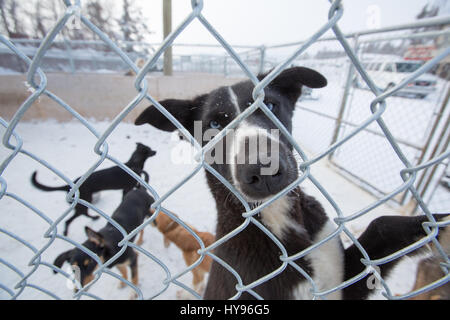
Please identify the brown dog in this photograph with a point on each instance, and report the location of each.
(186, 242)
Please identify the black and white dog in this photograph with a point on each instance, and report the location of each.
(131, 212)
(296, 219)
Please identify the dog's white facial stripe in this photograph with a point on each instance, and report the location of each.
(248, 130)
(251, 132)
(234, 100)
(243, 130)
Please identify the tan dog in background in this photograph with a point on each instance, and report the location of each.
(186, 242)
(140, 62)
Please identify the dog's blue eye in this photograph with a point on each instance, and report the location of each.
(214, 124)
(270, 106)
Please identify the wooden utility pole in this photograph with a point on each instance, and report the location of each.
(167, 29)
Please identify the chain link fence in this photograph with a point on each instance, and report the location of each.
(371, 117)
(416, 115)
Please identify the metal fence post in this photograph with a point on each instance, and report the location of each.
(343, 103)
(70, 56)
(262, 56)
(167, 29)
(439, 147)
(428, 144)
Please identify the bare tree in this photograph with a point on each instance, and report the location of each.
(11, 22)
(132, 23)
(428, 10)
(431, 9)
(100, 14)
(34, 19)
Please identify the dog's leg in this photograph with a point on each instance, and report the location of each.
(189, 258)
(140, 241)
(166, 242)
(123, 270)
(84, 210)
(69, 221)
(134, 268)
(134, 272)
(384, 236)
(197, 272)
(197, 280)
(79, 210)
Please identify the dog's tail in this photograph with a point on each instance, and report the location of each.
(47, 188)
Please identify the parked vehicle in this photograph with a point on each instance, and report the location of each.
(387, 74)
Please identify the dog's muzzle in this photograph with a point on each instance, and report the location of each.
(263, 167)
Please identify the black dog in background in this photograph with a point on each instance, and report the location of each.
(113, 178)
(130, 214)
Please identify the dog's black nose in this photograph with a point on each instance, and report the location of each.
(260, 181)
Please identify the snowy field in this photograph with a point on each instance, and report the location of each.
(69, 147)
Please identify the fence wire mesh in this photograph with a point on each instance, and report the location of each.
(375, 116)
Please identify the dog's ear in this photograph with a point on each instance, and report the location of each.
(290, 81)
(94, 236)
(63, 257)
(185, 111)
(143, 148)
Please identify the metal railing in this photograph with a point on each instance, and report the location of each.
(76, 56)
(377, 106)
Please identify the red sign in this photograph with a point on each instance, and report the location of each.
(422, 53)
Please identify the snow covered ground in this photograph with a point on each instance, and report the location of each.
(69, 147)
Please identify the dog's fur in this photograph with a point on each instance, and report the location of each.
(114, 178)
(129, 215)
(296, 219)
(186, 242)
(429, 270)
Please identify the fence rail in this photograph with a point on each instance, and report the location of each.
(377, 106)
(258, 52)
(94, 55)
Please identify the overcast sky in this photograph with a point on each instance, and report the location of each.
(257, 22)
